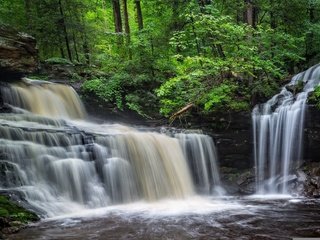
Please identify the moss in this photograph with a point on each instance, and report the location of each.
(56, 60)
(42, 77)
(11, 210)
(314, 97)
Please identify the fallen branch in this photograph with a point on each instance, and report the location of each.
(181, 111)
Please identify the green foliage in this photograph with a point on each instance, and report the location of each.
(124, 91)
(57, 60)
(224, 97)
(218, 96)
(193, 88)
(202, 52)
(212, 48)
(179, 91)
(236, 47)
(42, 77)
(11, 210)
(264, 89)
(314, 97)
(107, 90)
(135, 102)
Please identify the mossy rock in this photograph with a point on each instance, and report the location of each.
(296, 88)
(314, 97)
(14, 212)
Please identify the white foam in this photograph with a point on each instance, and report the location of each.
(270, 196)
(191, 206)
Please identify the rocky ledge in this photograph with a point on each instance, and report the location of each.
(304, 181)
(18, 54)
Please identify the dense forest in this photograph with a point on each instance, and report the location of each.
(161, 56)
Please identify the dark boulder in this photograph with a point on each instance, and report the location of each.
(18, 54)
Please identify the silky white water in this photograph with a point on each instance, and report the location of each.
(62, 164)
(278, 127)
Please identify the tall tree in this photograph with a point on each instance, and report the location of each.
(250, 13)
(139, 14)
(310, 50)
(127, 26)
(64, 28)
(27, 4)
(126, 19)
(117, 16)
(273, 21)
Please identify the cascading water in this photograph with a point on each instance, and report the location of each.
(45, 98)
(201, 154)
(278, 127)
(62, 165)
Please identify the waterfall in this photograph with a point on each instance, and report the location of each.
(45, 98)
(201, 154)
(278, 127)
(61, 163)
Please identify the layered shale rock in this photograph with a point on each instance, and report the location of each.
(18, 54)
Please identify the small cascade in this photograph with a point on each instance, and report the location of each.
(62, 165)
(201, 154)
(45, 98)
(278, 127)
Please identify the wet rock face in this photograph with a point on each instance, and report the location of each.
(18, 54)
(306, 181)
(312, 135)
(311, 187)
(232, 133)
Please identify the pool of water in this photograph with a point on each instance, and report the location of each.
(195, 218)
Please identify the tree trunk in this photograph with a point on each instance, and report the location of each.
(195, 35)
(64, 28)
(203, 4)
(127, 26)
(75, 45)
(273, 21)
(84, 38)
(86, 50)
(27, 6)
(175, 14)
(117, 16)
(139, 14)
(126, 17)
(220, 51)
(61, 48)
(239, 12)
(250, 13)
(73, 19)
(310, 49)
